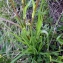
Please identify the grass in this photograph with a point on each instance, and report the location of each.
(29, 40)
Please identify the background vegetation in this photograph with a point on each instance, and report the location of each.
(30, 31)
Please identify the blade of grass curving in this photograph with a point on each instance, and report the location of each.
(59, 39)
(47, 37)
(44, 31)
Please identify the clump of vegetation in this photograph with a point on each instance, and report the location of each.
(28, 34)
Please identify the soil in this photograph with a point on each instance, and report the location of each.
(56, 9)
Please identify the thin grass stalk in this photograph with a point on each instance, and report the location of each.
(23, 6)
(12, 3)
(57, 22)
(23, 3)
(37, 2)
(34, 10)
(9, 21)
(13, 6)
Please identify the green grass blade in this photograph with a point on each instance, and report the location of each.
(15, 59)
(33, 13)
(59, 39)
(40, 20)
(25, 9)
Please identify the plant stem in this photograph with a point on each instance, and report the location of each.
(37, 2)
(12, 3)
(3, 19)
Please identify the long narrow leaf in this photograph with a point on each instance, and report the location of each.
(59, 39)
(15, 59)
